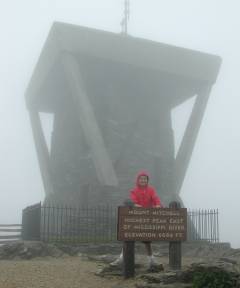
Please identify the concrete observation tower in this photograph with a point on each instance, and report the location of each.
(111, 98)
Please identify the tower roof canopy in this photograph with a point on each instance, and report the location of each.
(173, 73)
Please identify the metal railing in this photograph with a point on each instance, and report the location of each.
(10, 233)
(99, 224)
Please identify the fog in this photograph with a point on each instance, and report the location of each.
(212, 179)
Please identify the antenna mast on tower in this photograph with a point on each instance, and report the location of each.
(126, 16)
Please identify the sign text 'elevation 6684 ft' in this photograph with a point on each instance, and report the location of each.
(152, 224)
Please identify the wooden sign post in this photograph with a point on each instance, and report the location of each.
(175, 247)
(128, 259)
(128, 253)
(152, 224)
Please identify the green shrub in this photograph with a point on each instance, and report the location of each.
(213, 279)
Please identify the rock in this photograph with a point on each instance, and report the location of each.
(163, 278)
(232, 253)
(110, 271)
(8, 251)
(28, 250)
(115, 270)
(174, 285)
(70, 250)
(155, 268)
(102, 258)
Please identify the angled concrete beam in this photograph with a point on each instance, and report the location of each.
(189, 139)
(45, 62)
(104, 167)
(42, 151)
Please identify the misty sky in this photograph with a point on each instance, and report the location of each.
(210, 26)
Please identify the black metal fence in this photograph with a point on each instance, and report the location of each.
(82, 224)
(203, 225)
(99, 224)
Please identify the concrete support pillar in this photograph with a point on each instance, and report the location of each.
(189, 139)
(42, 151)
(88, 123)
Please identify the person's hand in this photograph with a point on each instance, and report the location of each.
(137, 205)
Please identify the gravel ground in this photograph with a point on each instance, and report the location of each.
(64, 272)
(69, 272)
(79, 271)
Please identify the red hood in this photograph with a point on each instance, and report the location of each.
(141, 173)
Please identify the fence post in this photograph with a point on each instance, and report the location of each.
(175, 247)
(128, 253)
(24, 224)
(31, 222)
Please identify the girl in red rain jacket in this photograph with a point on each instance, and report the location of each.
(143, 195)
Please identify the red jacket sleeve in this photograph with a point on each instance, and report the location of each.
(134, 197)
(155, 198)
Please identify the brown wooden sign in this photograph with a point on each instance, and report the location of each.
(152, 224)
